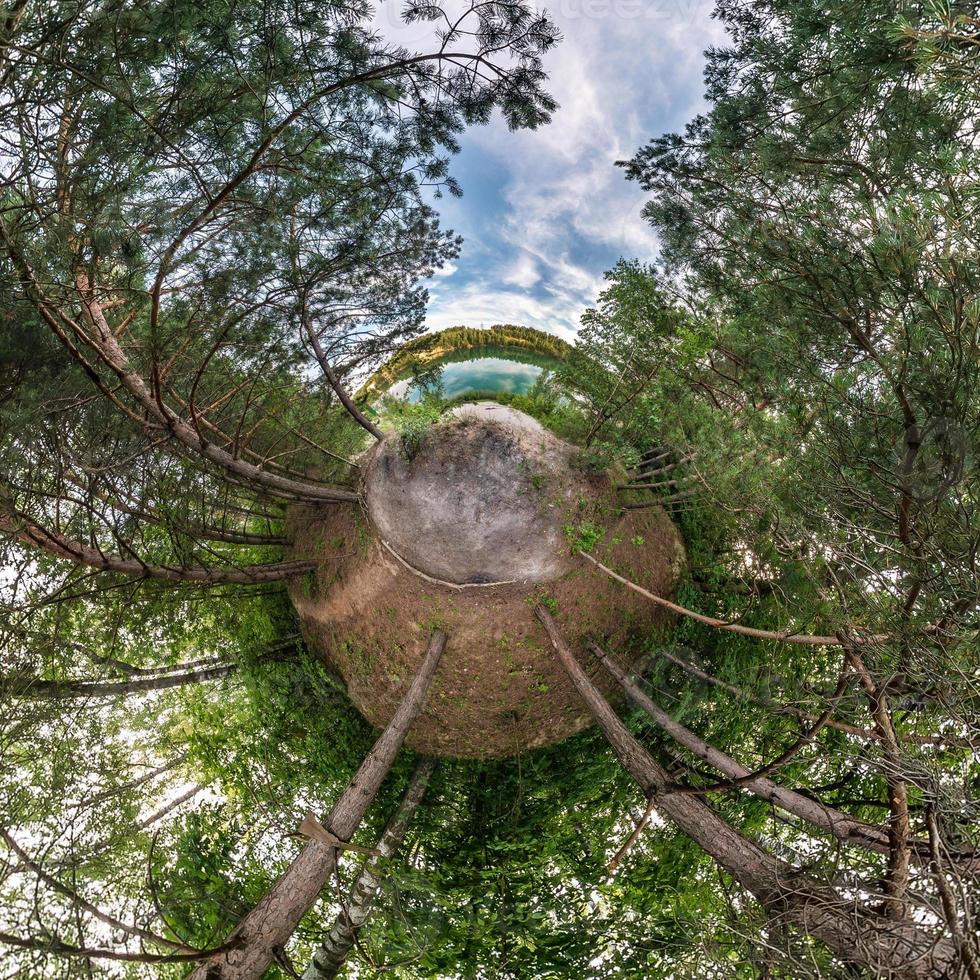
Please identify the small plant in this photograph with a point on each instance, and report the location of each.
(584, 537)
(542, 598)
(637, 540)
(593, 460)
(412, 422)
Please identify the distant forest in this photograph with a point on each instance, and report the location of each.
(431, 346)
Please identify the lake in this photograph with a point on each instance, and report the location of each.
(490, 370)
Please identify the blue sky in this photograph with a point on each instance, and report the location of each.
(546, 213)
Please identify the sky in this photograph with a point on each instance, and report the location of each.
(545, 213)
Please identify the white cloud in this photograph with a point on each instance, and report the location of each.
(477, 305)
(626, 71)
(446, 271)
(523, 272)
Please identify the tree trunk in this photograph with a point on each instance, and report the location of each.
(55, 543)
(264, 932)
(886, 947)
(897, 879)
(845, 828)
(140, 679)
(329, 959)
(339, 390)
(110, 352)
(802, 638)
(27, 686)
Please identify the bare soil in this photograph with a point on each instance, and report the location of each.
(491, 496)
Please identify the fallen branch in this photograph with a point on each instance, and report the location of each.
(721, 624)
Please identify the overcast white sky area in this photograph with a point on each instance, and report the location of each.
(545, 213)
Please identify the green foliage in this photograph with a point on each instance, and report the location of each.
(542, 598)
(413, 420)
(583, 536)
(622, 346)
(806, 353)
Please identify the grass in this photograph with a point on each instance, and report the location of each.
(583, 537)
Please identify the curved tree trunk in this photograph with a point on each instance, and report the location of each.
(61, 546)
(886, 947)
(803, 638)
(105, 345)
(339, 390)
(842, 826)
(264, 932)
(328, 960)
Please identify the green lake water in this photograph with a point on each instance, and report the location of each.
(493, 370)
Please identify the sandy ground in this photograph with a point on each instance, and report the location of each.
(486, 499)
(460, 510)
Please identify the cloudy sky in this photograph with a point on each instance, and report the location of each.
(545, 213)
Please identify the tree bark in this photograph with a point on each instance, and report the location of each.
(264, 932)
(328, 960)
(61, 546)
(339, 390)
(843, 827)
(27, 686)
(887, 947)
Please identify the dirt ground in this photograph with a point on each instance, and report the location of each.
(489, 497)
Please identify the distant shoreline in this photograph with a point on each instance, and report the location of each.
(431, 347)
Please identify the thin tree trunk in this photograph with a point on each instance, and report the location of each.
(264, 931)
(60, 546)
(26, 686)
(104, 343)
(138, 781)
(660, 501)
(81, 903)
(721, 624)
(840, 825)
(97, 850)
(889, 947)
(140, 679)
(897, 879)
(339, 390)
(633, 837)
(48, 946)
(328, 960)
(662, 485)
(654, 469)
